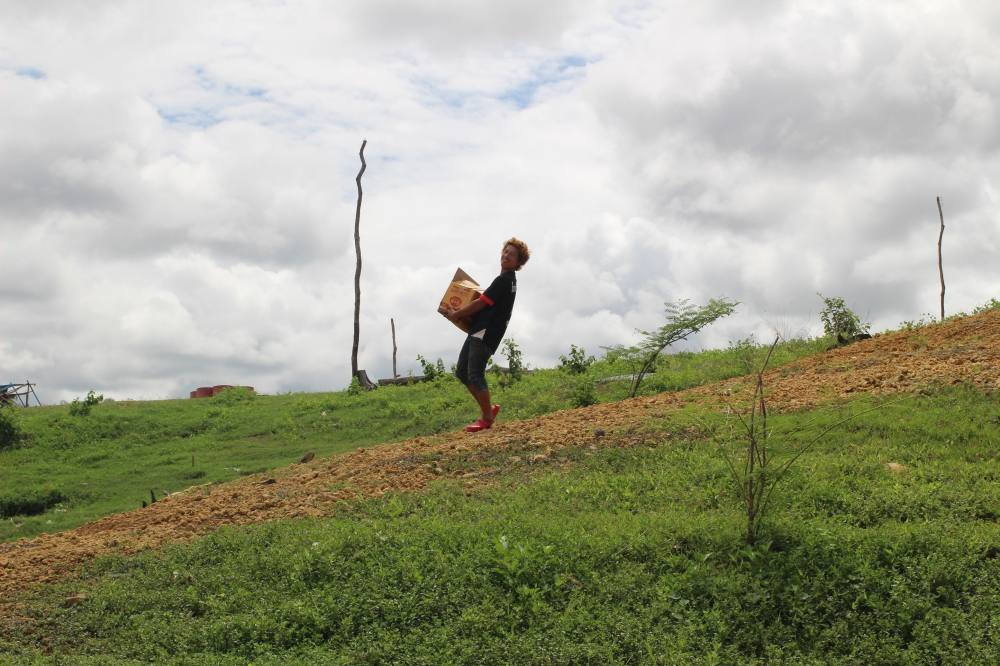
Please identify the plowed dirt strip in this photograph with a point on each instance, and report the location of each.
(966, 350)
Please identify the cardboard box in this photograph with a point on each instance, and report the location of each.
(462, 291)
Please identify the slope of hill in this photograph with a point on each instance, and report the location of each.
(966, 350)
(74, 467)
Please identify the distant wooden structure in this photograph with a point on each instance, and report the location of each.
(409, 379)
(18, 394)
(209, 391)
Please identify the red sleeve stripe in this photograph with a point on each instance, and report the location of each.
(486, 299)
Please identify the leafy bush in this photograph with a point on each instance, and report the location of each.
(577, 361)
(925, 319)
(11, 434)
(30, 503)
(233, 395)
(838, 319)
(78, 408)
(583, 393)
(355, 387)
(746, 352)
(992, 304)
(431, 370)
(515, 362)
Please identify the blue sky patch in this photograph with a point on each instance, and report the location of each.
(30, 72)
(454, 99)
(199, 118)
(208, 82)
(520, 95)
(547, 73)
(219, 96)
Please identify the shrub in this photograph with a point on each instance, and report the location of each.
(515, 362)
(838, 319)
(431, 370)
(925, 319)
(992, 304)
(10, 429)
(233, 395)
(577, 361)
(745, 350)
(78, 408)
(583, 393)
(32, 503)
(683, 320)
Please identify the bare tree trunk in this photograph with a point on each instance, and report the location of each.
(357, 270)
(940, 268)
(393, 324)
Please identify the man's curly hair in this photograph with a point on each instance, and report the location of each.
(523, 253)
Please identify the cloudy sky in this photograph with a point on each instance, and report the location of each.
(177, 178)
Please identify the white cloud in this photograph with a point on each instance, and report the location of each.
(177, 180)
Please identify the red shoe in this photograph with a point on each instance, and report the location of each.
(483, 424)
(480, 424)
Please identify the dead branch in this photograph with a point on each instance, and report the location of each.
(393, 325)
(940, 268)
(357, 269)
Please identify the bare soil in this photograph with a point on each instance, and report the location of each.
(965, 350)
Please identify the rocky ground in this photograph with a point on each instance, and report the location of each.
(965, 350)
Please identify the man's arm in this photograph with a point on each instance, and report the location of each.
(469, 311)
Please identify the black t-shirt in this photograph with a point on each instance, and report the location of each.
(499, 298)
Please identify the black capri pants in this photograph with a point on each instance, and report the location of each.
(471, 367)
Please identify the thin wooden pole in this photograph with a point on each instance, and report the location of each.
(940, 266)
(393, 324)
(357, 269)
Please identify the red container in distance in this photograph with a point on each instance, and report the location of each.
(209, 391)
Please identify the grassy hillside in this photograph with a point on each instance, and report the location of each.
(76, 468)
(607, 535)
(625, 556)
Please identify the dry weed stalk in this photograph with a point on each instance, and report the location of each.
(756, 480)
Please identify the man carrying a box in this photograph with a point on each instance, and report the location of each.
(488, 316)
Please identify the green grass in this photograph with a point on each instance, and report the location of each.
(109, 460)
(633, 556)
